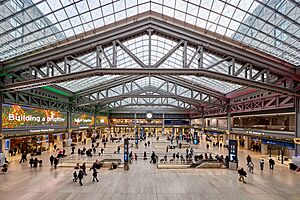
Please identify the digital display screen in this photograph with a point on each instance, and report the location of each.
(232, 148)
(101, 120)
(19, 117)
(78, 120)
(195, 137)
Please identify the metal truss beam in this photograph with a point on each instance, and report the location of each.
(136, 59)
(157, 23)
(143, 109)
(108, 84)
(196, 103)
(143, 96)
(196, 98)
(193, 92)
(118, 105)
(26, 99)
(33, 100)
(150, 72)
(266, 103)
(194, 86)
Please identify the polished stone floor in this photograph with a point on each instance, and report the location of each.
(145, 181)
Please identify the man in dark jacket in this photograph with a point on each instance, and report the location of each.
(55, 162)
(271, 163)
(83, 167)
(242, 174)
(95, 175)
(23, 157)
(249, 159)
(51, 160)
(31, 162)
(80, 176)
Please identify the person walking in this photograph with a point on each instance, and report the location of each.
(118, 149)
(35, 162)
(135, 156)
(271, 163)
(177, 156)
(249, 159)
(153, 158)
(261, 164)
(23, 157)
(83, 167)
(73, 150)
(102, 151)
(31, 162)
(192, 151)
(242, 175)
(207, 146)
(80, 177)
(251, 167)
(75, 176)
(56, 160)
(51, 160)
(95, 173)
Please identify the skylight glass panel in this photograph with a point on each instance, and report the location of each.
(226, 18)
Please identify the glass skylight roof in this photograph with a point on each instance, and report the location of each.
(159, 47)
(272, 26)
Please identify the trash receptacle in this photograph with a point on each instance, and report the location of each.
(233, 166)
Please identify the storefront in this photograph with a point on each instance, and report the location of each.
(126, 127)
(280, 150)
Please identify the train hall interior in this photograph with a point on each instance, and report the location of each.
(150, 99)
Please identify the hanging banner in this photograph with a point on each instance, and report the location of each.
(79, 120)
(19, 117)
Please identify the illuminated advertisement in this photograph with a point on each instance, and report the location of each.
(102, 120)
(78, 120)
(19, 117)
